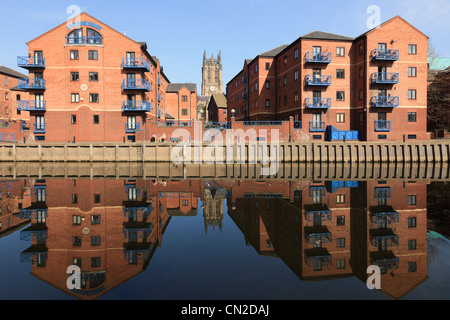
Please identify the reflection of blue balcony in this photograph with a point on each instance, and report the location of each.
(315, 238)
(385, 54)
(334, 186)
(136, 84)
(136, 106)
(318, 57)
(37, 254)
(136, 63)
(137, 231)
(384, 238)
(141, 212)
(318, 103)
(383, 125)
(31, 62)
(317, 126)
(385, 217)
(137, 252)
(386, 260)
(317, 191)
(35, 233)
(384, 102)
(317, 80)
(383, 193)
(384, 78)
(31, 105)
(317, 258)
(31, 84)
(28, 214)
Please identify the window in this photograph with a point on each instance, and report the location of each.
(285, 60)
(6, 81)
(185, 203)
(340, 199)
(412, 200)
(340, 52)
(184, 98)
(76, 220)
(412, 94)
(340, 264)
(361, 50)
(74, 76)
(295, 53)
(93, 76)
(412, 136)
(340, 74)
(412, 222)
(340, 96)
(412, 266)
(412, 244)
(340, 242)
(296, 75)
(77, 262)
(73, 54)
(95, 241)
(267, 84)
(360, 94)
(296, 96)
(6, 96)
(267, 103)
(360, 72)
(382, 137)
(95, 220)
(97, 121)
(256, 68)
(361, 117)
(96, 262)
(340, 221)
(412, 117)
(93, 98)
(285, 81)
(256, 86)
(76, 241)
(74, 199)
(267, 65)
(285, 100)
(412, 72)
(93, 55)
(73, 119)
(184, 112)
(75, 97)
(340, 117)
(412, 49)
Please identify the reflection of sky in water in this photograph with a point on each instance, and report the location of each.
(190, 264)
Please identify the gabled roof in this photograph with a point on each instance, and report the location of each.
(274, 52)
(326, 36)
(12, 73)
(221, 100)
(176, 87)
(388, 21)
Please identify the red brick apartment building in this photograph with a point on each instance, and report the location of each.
(91, 83)
(374, 85)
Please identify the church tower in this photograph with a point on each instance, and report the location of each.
(212, 75)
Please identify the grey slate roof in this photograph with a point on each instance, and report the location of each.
(11, 72)
(176, 87)
(274, 52)
(326, 36)
(221, 100)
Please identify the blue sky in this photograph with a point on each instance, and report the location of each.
(179, 31)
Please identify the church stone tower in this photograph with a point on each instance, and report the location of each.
(212, 75)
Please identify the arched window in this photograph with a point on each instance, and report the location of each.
(75, 37)
(93, 37)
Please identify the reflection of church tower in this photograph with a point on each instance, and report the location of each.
(212, 75)
(213, 208)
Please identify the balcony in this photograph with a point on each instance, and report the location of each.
(318, 57)
(318, 80)
(384, 78)
(334, 134)
(385, 217)
(141, 212)
(136, 63)
(384, 238)
(134, 231)
(385, 55)
(384, 102)
(382, 125)
(39, 128)
(317, 213)
(318, 235)
(383, 193)
(386, 260)
(84, 40)
(31, 62)
(33, 214)
(132, 127)
(317, 258)
(318, 103)
(136, 106)
(31, 84)
(31, 105)
(136, 84)
(317, 126)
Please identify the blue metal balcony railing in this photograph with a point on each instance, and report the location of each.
(317, 126)
(33, 214)
(30, 84)
(31, 105)
(333, 134)
(176, 123)
(325, 237)
(319, 261)
(386, 241)
(318, 80)
(132, 127)
(7, 137)
(84, 40)
(385, 217)
(136, 63)
(262, 123)
(137, 106)
(138, 233)
(385, 78)
(383, 193)
(388, 264)
(31, 62)
(136, 84)
(142, 212)
(322, 215)
(39, 128)
(384, 102)
(318, 57)
(385, 54)
(383, 125)
(318, 103)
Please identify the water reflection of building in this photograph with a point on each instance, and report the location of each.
(109, 228)
(213, 206)
(326, 230)
(14, 195)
